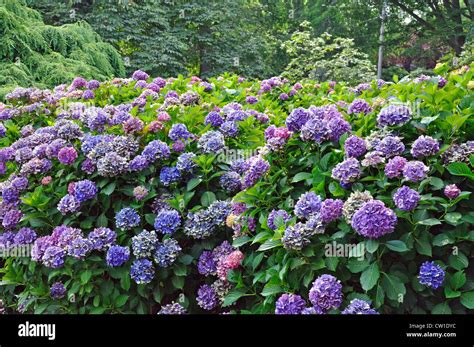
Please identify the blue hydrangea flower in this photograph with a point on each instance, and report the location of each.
(296, 119)
(172, 309)
(156, 149)
(166, 252)
(186, 163)
(179, 131)
(102, 238)
(373, 220)
(142, 271)
(229, 129)
(211, 142)
(415, 171)
(424, 146)
(167, 221)
(431, 275)
(79, 248)
(169, 175)
(57, 290)
(117, 255)
(358, 306)
(84, 190)
(127, 218)
(277, 214)
(390, 146)
(213, 118)
(144, 244)
(231, 181)
(355, 146)
(207, 297)
(206, 264)
(347, 172)
(393, 115)
(53, 257)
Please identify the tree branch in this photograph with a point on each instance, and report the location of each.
(412, 13)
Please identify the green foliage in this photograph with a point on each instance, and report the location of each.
(33, 53)
(325, 58)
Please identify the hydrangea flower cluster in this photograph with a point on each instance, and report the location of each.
(205, 222)
(431, 275)
(374, 219)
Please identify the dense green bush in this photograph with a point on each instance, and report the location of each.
(148, 154)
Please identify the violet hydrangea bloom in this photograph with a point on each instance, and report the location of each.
(68, 204)
(415, 171)
(127, 218)
(166, 252)
(172, 309)
(355, 146)
(67, 155)
(117, 255)
(451, 191)
(167, 221)
(79, 248)
(231, 181)
(211, 142)
(57, 290)
(358, 306)
(326, 293)
(289, 304)
(84, 190)
(307, 205)
(142, 271)
(373, 220)
(102, 238)
(207, 297)
(24, 236)
(431, 275)
(315, 130)
(393, 115)
(297, 118)
(257, 168)
(53, 257)
(169, 175)
(348, 171)
(140, 75)
(424, 146)
(213, 118)
(331, 209)
(390, 146)
(406, 199)
(179, 131)
(395, 166)
(144, 244)
(359, 106)
(206, 264)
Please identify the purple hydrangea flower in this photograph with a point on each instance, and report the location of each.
(117, 255)
(258, 167)
(283, 96)
(167, 221)
(144, 244)
(102, 238)
(166, 252)
(338, 127)
(395, 166)
(207, 297)
(331, 209)
(80, 247)
(296, 119)
(415, 171)
(79, 82)
(251, 99)
(179, 131)
(431, 275)
(85, 190)
(93, 84)
(140, 75)
(185, 162)
(169, 175)
(88, 94)
(211, 142)
(53, 257)
(393, 115)
(326, 293)
(230, 181)
(172, 309)
(307, 205)
(277, 214)
(373, 220)
(355, 146)
(68, 204)
(206, 264)
(67, 155)
(57, 290)
(127, 218)
(424, 146)
(24, 236)
(358, 306)
(213, 118)
(156, 149)
(451, 191)
(359, 106)
(315, 130)
(348, 171)
(289, 304)
(406, 199)
(142, 271)
(229, 129)
(390, 146)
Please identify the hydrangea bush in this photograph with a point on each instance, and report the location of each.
(173, 196)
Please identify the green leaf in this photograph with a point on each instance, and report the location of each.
(393, 286)
(371, 246)
(369, 277)
(442, 240)
(453, 217)
(271, 289)
(240, 241)
(460, 169)
(467, 299)
(423, 246)
(301, 176)
(430, 222)
(121, 300)
(102, 221)
(442, 308)
(193, 183)
(397, 246)
(109, 189)
(458, 261)
(269, 244)
(233, 296)
(458, 280)
(449, 293)
(356, 266)
(85, 276)
(207, 198)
